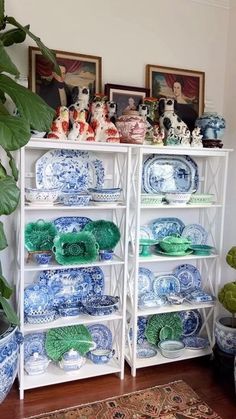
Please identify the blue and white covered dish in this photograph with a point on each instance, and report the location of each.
(101, 305)
(72, 361)
(36, 364)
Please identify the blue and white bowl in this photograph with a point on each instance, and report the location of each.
(105, 194)
(101, 305)
(171, 348)
(100, 356)
(73, 198)
(41, 196)
(43, 259)
(106, 254)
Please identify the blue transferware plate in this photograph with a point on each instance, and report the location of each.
(145, 233)
(73, 284)
(34, 342)
(145, 279)
(164, 173)
(196, 342)
(188, 276)
(150, 299)
(75, 169)
(166, 226)
(165, 285)
(195, 233)
(101, 335)
(191, 322)
(37, 297)
(71, 224)
(141, 326)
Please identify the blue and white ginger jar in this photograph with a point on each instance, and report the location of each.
(212, 126)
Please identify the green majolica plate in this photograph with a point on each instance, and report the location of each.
(161, 326)
(39, 235)
(75, 248)
(106, 233)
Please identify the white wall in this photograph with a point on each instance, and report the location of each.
(128, 34)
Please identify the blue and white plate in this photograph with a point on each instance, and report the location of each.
(37, 298)
(163, 174)
(196, 342)
(71, 224)
(188, 276)
(191, 322)
(34, 342)
(145, 233)
(75, 169)
(166, 226)
(101, 335)
(146, 351)
(145, 280)
(166, 284)
(73, 284)
(195, 233)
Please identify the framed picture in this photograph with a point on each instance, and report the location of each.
(186, 86)
(76, 70)
(126, 97)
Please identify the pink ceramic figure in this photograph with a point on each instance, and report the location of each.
(158, 135)
(60, 125)
(81, 130)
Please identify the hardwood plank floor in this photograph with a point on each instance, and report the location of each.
(199, 373)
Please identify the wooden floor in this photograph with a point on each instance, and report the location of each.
(199, 373)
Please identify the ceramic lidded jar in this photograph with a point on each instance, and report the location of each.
(132, 127)
(212, 128)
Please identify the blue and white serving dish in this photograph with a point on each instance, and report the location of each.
(145, 280)
(36, 364)
(166, 226)
(101, 335)
(164, 173)
(41, 316)
(189, 277)
(71, 285)
(41, 196)
(105, 194)
(72, 361)
(199, 296)
(196, 342)
(100, 356)
(43, 259)
(101, 305)
(71, 224)
(37, 299)
(171, 348)
(146, 351)
(166, 284)
(195, 233)
(74, 198)
(150, 299)
(74, 168)
(34, 342)
(191, 322)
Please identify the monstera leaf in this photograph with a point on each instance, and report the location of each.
(9, 194)
(3, 240)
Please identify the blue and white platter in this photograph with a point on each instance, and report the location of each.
(166, 284)
(166, 226)
(150, 299)
(145, 280)
(196, 342)
(72, 285)
(71, 224)
(141, 325)
(37, 299)
(199, 296)
(145, 233)
(191, 322)
(101, 335)
(195, 233)
(163, 174)
(189, 277)
(34, 342)
(75, 169)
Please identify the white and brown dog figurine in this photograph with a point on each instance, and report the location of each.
(80, 97)
(168, 118)
(111, 111)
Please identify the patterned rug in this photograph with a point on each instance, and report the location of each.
(172, 401)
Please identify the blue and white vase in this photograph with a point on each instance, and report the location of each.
(225, 335)
(212, 126)
(10, 341)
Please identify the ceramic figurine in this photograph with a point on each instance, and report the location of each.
(104, 130)
(81, 130)
(196, 138)
(144, 112)
(111, 111)
(158, 135)
(152, 104)
(169, 120)
(80, 96)
(185, 137)
(172, 138)
(60, 125)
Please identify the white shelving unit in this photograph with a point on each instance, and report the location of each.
(117, 164)
(212, 168)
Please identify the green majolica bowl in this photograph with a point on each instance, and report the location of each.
(173, 244)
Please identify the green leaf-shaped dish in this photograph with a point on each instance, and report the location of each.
(39, 235)
(106, 233)
(157, 322)
(75, 248)
(62, 339)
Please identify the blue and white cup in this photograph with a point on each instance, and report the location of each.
(106, 254)
(43, 259)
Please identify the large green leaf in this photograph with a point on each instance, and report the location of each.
(2, 19)
(3, 110)
(5, 288)
(47, 53)
(8, 310)
(14, 132)
(9, 195)
(29, 105)
(3, 172)
(13, 36)
(12, 164)
(6, 63)
(3, 240)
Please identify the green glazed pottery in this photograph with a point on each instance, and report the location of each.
(106, 233)
(202, 249)
(145, 246)
(174, 244)
(161, 326)
(75, 248)
(39, 235)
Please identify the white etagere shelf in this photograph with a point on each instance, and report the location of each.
(116, 159)
(212, 176)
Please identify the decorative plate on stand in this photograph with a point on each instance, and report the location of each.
(166, 284)
(145, 280)
(101, 335)
(195, 233)
(188, 276)
(191, 321)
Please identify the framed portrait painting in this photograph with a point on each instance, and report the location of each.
(76, 70)
(185, 86)
(126, 97)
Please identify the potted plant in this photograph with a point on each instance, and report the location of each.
(15, 132)
(225, 327)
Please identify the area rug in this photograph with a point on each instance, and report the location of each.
(172, 401)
